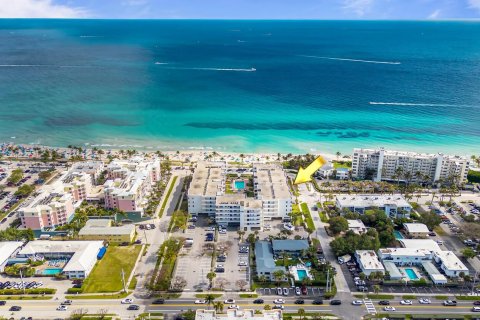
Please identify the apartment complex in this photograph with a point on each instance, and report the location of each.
(237, 209)
(47, 210)
(92, 168)
(270, 186)
(207, 195)
(78, 184)
(129, 182)
(381, 164)
(102, 229)
(368, 262)
(395, 206)
(208, 182)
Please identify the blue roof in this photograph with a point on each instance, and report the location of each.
(289, 245)
(264, 257)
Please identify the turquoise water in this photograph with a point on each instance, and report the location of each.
(173, 84)
(411, 274)
(239, 185)
(52, 271)
(398, 234)
(301, 274)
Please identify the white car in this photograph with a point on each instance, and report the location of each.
(233, 306)
(229, 301)
(389, 308)
(127, 301)
(62, 308)
(200, 301)
(242, 263)
(424, 301)
(357, 302)
(297, 291)
(476, 309)
(406, 302)
(278, 301)
(278, 307)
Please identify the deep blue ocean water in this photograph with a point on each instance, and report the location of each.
(316, 85)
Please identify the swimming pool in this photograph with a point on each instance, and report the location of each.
(239, 184)
(398, 234)
(411, 274)
(52, 271)
(301, 274)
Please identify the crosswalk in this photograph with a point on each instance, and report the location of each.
(370, 306)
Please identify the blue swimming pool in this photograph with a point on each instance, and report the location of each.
(398, 234)
(411, 274)
(239, 184)
(301, 274)
(52, 271)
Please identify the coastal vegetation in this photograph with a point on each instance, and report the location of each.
(473, 176)
(14, 234)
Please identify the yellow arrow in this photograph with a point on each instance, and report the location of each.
(304, 175)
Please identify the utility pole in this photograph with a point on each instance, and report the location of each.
(123, 281)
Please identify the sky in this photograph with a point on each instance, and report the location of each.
(242, 9)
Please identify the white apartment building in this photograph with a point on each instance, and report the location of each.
(270, 186)
(129, 182)
(381, 164)
(208, 182)
(368, 262)
(93, 168)
(395, 206)
(238, 210)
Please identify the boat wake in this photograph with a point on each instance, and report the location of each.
(413, 104)
(42, 66)
(352, 60)
(215, 69)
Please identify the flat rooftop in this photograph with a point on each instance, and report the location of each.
(372, 200)
(416, 227)
(208, 179)
(369, 260)
(103, 227)
(270, 182)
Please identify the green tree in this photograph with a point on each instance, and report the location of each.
(338, 224)
(278, 275)
(218, 306)
(301, 313)
(430, 219)
(267, 307)
(209, 298)
(210, 276)
(24, 190)
(241, 233)
(468, 253)
(15, 176)
(376, 289)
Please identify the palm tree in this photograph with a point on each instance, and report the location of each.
(376, 289)
(278, 275)
(267, 307)
(209, 299)
(218, 306)
(338, 154)
(301, 313)
(242, 156)
(398, 174)
(211, 276)
(240, 233)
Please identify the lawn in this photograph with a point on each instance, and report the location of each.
(107, 274)
(342, 164)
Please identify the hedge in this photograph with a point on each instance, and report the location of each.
(74, 290)
(9, 292)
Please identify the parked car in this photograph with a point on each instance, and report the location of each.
(286, 291)
(279, 291)
(297, 291)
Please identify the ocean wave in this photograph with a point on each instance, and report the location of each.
(352, 60)
(215, 69)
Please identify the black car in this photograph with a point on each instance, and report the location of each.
(219, 270)
(15, 308)
(2, 302)
(336, 302)
(258, 301)
(317, 301)
(476, 303)
(384, 302)
(133, 307)
(158, 301)
(299, 301)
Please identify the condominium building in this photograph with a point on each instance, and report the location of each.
(208, 182)
(395, 206)
(78, 184)
(270, 186)
(93, 168)
(47, 210)
(102, 229)
(129, 182)
(368, 262)
(238, 210)
(381, 164)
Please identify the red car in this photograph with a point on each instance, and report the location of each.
(304, 290)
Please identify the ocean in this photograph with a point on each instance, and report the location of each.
(242, 86)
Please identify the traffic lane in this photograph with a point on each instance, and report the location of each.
(287, 307)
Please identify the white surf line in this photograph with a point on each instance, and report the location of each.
(352, 60)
